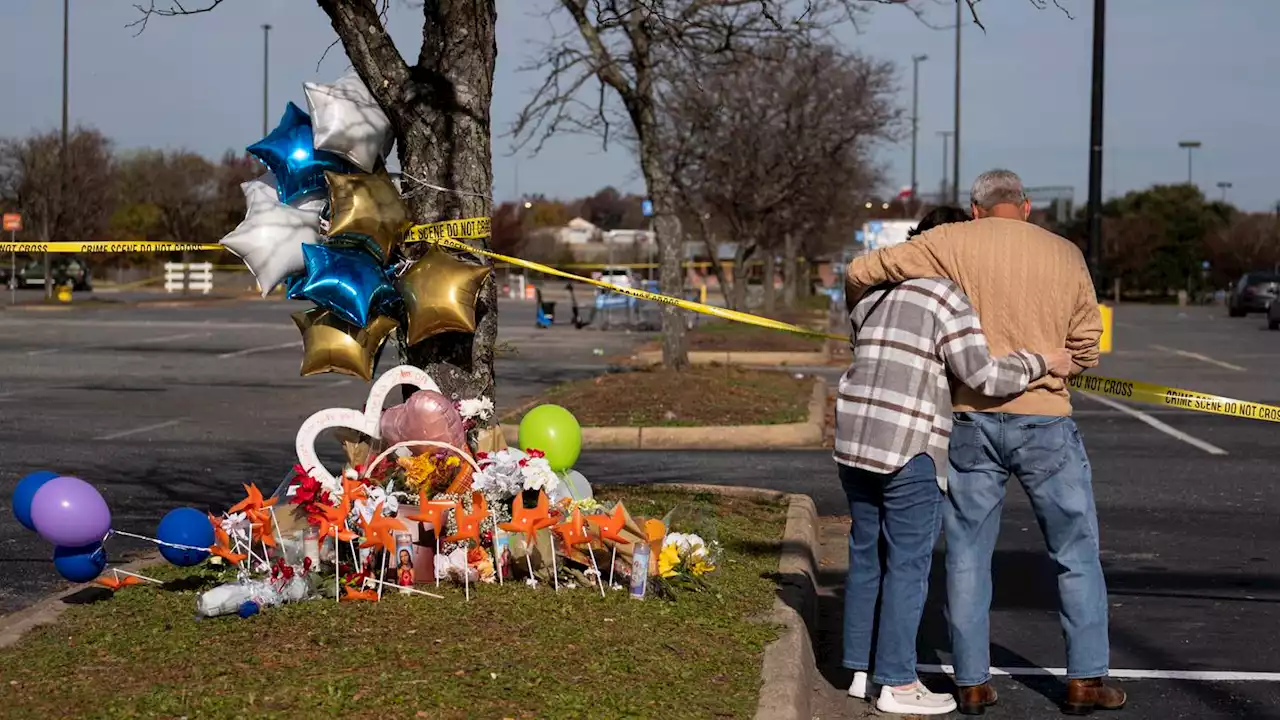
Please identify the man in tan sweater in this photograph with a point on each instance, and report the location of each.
(1031, 290)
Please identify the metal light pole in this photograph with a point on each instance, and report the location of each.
(63, 160)
(1224, 187)
(1190, 146)
(915, 122)
(955, 187)
(942, 198)
(266, 65)
(1095, 140)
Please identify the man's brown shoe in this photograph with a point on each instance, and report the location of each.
(1084, 695)
(975, 699)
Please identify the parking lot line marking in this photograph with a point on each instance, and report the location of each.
(264, 348)
(1200, 675)
(340, 383)
(1198, 356)
(1162, 427)
(168, 338)
(135, 431)
(46, 351)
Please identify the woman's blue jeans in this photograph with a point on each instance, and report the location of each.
(896, 519)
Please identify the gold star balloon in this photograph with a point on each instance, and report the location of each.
(331, 344)
(366, 210)
(440, 293)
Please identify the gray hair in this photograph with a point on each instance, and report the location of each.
(997, 187)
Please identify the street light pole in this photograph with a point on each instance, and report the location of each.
(946, 134)
(1190, 146)
(1224, 187)
(915, 122)
(1095, 140)
(63, 160)
(266, 66)
(955, 188)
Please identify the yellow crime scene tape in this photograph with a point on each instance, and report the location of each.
(121, 246)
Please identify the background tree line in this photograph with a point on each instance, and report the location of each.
(105, 194)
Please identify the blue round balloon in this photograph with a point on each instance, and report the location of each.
(26, 490)
(80, 564)
(185, 526)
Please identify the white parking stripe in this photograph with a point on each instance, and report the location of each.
(1144, 417)
(1201, 675)
(46, 351)
(168, 338)
(1198, 356)
(135, 431)
(265, 348)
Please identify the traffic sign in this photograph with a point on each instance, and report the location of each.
(12, 222)
(646, 207)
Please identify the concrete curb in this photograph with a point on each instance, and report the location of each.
(779, 359)
(789, 663)
(715, 437)
(45, 612)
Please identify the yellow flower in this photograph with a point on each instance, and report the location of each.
(668, 559)
(417, 470)
(703, 567)
(452, 462)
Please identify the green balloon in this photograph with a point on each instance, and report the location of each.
(554, 431)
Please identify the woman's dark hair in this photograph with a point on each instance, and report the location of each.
(939, 216)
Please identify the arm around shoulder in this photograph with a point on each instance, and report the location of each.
(923, 257)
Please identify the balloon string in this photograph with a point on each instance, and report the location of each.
(423, 185)
(177, 546)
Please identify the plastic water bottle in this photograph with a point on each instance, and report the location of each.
(639, 570)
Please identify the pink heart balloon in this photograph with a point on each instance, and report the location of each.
(426, 415)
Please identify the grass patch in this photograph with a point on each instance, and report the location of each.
(700, 396)
(740, 337)
(511, 652)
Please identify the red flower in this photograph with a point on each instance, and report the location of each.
(482, 455)
(535, 453)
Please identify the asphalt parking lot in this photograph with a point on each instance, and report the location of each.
(169, 406)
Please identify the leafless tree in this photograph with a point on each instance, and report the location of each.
(438, 105)
(60, 204)
(771, 144)
(1251, 242)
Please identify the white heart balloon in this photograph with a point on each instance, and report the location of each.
(270, 238)
(365, 422)
(347, 121)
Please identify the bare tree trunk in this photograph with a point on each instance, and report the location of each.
(662, 191)
(790, 269)
(770, 292)
(713, 254)
(738, 301)
(440, 112)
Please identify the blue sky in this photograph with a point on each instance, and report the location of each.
(1177, 69)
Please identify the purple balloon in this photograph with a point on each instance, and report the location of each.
(70, 512)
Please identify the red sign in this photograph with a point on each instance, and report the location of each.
(12, 222)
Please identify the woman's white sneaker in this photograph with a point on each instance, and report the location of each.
(860, 684)
(915, 699)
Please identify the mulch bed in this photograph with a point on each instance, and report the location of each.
(714, 395)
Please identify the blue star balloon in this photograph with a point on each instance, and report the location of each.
(348, 281)
(288, 153)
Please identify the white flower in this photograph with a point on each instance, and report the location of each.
(571, 585)
(538, 475)
(688, 545)
(236, 525)
(477, 408)
(333, 486)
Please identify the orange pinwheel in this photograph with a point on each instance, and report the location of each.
(529, 520)
(219, 534)
(252, 501)
(353, 594)
(333, 519)
(571, 531)
(469, 522)
(114, 583)
(234, 558)
(432, 512)
(260, 526)
(610, 525)
(353, 490)
(377, 530)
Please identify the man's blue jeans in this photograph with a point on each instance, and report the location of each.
(903, 508)
(1048, 457)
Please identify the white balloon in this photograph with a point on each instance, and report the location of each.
(347, 121)
(270, 238)
(573, 486)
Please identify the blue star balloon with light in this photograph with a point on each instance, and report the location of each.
(348, 281)
(289, 154)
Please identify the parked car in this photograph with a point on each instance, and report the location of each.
(1253, 293)
(65, 271)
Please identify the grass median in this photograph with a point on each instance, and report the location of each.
(697, 397)
(512, 652)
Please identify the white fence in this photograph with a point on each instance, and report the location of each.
(188, 276)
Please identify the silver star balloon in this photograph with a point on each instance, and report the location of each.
(347, 121)
(270, 238)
